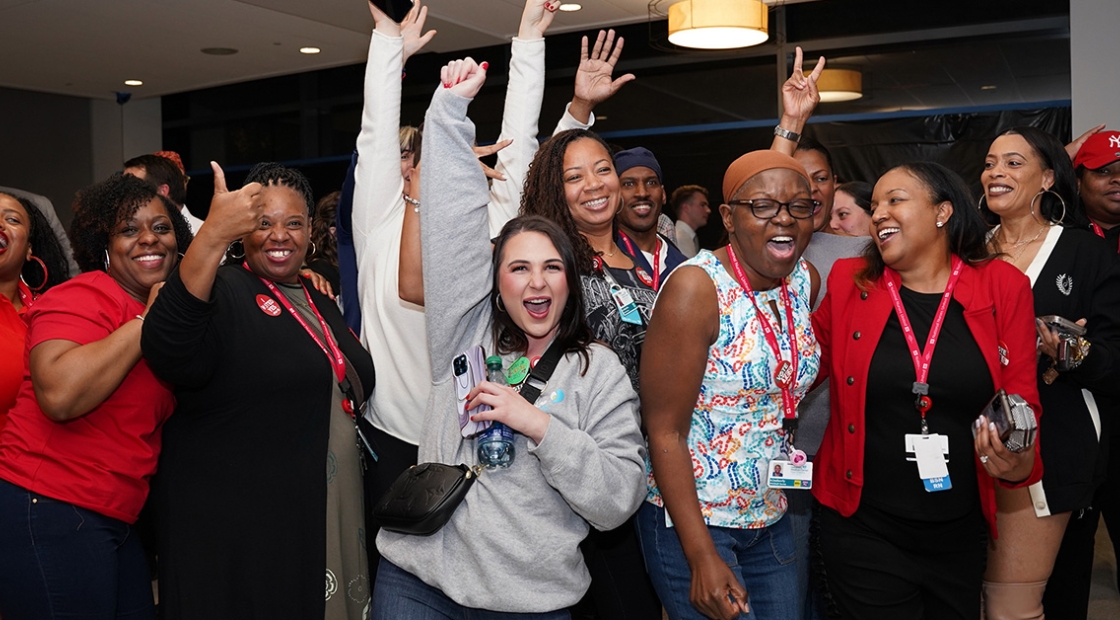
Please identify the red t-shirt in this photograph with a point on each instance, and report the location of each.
(13, 330)
(103, 460)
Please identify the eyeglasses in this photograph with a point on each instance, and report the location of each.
(765, 209)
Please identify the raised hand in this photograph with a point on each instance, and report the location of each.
(594, 83)
(799, 93)
(1073, 147)
(464, 77)
(412, 29)
(232, 214)
(536, 18)
(485, 151)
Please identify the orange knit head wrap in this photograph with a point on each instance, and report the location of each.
(741, 170)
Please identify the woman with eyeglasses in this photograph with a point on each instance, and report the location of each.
(732, 326)
(918, 334)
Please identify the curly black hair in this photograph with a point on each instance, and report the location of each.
(326, 248)
(99, 208)
(544, 191)
(44, 246)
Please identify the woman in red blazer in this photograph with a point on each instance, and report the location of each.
(906, 488)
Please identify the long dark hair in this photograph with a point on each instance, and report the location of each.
(544, 191)
(44, 246)
(101, 206)
(325, 244)
(966, 230)
(574, 336)
(1063, 208)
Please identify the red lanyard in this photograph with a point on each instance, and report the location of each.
(785, 373)
(656, 267)
(922, 358)
(333, 353)
(1100, 233)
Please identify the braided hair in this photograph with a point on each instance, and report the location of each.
(544, 191)
(271, 173)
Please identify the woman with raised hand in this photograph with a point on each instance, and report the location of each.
(918, 336)
(84, 435)
(731, 326)
(1029, 184)
(512, 545)
(385, 226)
(31, 262)
(269, 382)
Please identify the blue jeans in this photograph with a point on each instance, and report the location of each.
(800, 517)
(764, 560)
(62, 561)
(400, 595)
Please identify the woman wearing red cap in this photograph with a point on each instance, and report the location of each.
(732, 326)
(918, 335)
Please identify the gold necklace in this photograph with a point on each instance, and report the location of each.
(1022, 245)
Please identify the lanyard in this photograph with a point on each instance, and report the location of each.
(25, 296)
(785, 371)
(331, 349)
(636, 254)
(922, 358)
(1100, 233)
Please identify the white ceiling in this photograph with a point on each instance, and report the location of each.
(90, 48)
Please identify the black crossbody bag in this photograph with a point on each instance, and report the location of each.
(422, 499)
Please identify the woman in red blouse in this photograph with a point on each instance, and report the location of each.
(83, 437)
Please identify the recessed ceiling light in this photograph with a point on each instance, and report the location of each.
(600, 117)
(133, 82)
(219, 51)
(569, 7)
(310, 49)
(989, 87)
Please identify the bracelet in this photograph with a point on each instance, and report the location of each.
(414, 202)
(781, 132)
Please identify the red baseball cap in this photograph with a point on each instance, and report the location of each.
(1100, 150)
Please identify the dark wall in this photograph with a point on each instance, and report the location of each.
(45, 145)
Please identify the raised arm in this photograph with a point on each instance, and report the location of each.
(799, 98)
(524, 94)
(594, 83)
(454, 228)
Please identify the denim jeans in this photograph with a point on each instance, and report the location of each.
(800, 517)
(62, 561)
(400, 595)
(764, 560)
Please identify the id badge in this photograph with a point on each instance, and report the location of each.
(929, 451)
(627, 309)
(787, 475)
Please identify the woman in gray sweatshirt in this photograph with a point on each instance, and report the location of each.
(513, 544)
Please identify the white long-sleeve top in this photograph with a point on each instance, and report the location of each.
(394, 330)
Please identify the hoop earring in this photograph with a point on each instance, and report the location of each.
(229, 250)
(980, 206)
(106, 260)
(313, 249)
(498, 303)
(46, 275)
(1060, 199)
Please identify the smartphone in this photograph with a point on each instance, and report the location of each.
(469, 369)
(395, 9)
(997, 412)
(1063, 326)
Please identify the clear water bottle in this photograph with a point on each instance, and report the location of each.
(495, 444)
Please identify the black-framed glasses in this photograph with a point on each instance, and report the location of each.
(765, 208)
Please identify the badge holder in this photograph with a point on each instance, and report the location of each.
(623, 300)
(794, 472)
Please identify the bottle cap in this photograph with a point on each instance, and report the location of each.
(493, 360)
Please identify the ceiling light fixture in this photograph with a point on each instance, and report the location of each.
(989, 87)
(840, 85)
(718, 24)
(310, 49)
(569, 7)
(133, 82)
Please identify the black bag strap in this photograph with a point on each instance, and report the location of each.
(541, 373)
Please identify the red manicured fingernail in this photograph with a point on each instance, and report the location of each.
(457, 80)
(446, 85)
(485, 65)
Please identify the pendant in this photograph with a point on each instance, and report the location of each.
(783, 375)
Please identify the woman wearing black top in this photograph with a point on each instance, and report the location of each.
(1029, 184)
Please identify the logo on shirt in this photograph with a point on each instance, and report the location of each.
(1065, 284)
(268, 305)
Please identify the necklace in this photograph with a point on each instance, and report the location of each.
(1022, 245)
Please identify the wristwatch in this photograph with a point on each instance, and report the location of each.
(781, 132)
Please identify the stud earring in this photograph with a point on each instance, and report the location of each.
(940, 224)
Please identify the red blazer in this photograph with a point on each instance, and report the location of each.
(998, 307)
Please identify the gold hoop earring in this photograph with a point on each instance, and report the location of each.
(313, 249)
(1060, 199)
(980, 206)
(229, 250)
